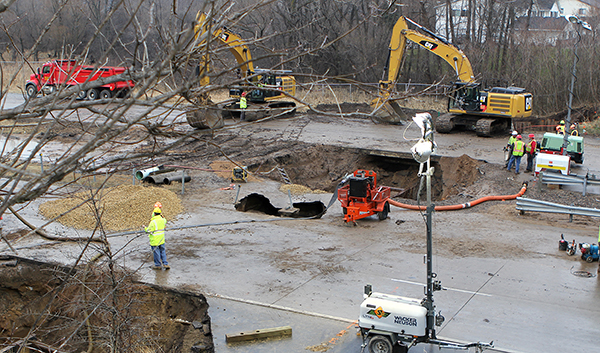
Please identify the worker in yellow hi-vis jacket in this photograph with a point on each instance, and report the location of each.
(156, 235)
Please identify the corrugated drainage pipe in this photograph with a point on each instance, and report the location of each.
(464, 205)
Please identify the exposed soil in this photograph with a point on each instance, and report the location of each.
(155, 318)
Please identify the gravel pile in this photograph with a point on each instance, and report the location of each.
(296, 189)
(120, 208)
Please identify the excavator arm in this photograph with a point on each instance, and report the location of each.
(431, 42)
(389, 111)
(236, 45)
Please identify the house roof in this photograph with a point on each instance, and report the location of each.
(545, 4)
(593, 3)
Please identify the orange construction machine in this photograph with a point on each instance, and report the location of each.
(361, 197)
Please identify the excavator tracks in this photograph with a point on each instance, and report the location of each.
(444, 123)
(483, 127)
(486, 127)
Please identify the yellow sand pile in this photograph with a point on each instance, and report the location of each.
(296, 189)
(120, 208)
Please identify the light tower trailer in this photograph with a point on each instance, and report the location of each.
(389, 320)
(390, 323)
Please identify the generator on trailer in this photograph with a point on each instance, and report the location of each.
(361, 197)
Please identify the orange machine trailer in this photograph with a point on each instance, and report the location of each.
(361, 197)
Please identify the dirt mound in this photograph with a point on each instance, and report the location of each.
(458, 173)
(136, 316)
(120, 208)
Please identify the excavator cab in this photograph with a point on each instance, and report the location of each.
(465, 98)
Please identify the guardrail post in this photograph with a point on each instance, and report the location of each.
(585, 183)
(571, 215)
(540, 181)
(182, 181)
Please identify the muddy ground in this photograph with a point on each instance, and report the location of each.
(319, 266)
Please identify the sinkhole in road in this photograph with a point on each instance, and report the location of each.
(323, 167)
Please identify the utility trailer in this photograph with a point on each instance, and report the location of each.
(361, 197)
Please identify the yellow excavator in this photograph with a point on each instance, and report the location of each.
(469, 106)
(264, 88)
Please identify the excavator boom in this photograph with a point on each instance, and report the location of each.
(431, 42)
(238, 48)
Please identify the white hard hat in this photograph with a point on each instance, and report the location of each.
(515, 133)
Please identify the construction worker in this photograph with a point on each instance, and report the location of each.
(517, 153)
(599, 248)
(560, 128)
(156, 235)
(509, 147)
(531, 151)
(243, 106)
(574, 129)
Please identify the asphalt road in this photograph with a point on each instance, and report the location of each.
(309, 274)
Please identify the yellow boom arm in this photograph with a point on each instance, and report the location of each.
(435, 44)
(235, 44)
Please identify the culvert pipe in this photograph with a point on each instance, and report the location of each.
(166, 178)
(144, 173)
(463, 205)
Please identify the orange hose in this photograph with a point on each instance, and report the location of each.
(461, 206)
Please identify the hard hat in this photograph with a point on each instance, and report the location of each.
(531, 136)
(518, 136)
(244, 94)
(157, 210)
(562, 122)
(158, 204)
(515, 133)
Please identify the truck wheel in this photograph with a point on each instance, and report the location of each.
(92, 94)
(105, 94)
(31, 91)
(81, 95)
(380, 344)
(124, 93)
(384, 214)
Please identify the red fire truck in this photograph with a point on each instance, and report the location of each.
(68, 73)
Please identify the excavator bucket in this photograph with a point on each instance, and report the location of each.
(204, 118)
(388, 111)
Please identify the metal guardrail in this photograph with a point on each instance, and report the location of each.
(532, 205)
(431, 89)
(559, 179)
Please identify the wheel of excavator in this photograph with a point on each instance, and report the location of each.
(487, 127)
(444, 123)
(484, 127)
